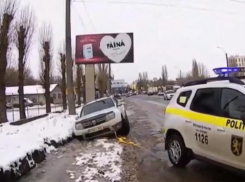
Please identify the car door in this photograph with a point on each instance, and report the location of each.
(204, 109)
(229, 133)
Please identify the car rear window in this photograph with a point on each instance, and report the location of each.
(183, 98)
(97, 106)
(170, 92)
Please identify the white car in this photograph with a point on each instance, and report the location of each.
(168, 94)
(205, 120)
(160, 93)
(102, 117)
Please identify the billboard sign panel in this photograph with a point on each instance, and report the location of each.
(105, 48)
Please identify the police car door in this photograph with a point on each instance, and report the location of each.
(204, 112)
(229, 134)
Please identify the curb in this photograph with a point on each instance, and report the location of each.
(22, 166)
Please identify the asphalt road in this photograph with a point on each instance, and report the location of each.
(146, 163)
(154, 165)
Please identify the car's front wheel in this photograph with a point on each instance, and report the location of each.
(177, 152)
(125, 129)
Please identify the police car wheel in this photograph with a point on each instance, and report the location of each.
(177, 152)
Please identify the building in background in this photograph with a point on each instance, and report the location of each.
(237, 61)
(119, 87)
(35, 93)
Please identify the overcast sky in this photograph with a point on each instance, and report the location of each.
(171, 32)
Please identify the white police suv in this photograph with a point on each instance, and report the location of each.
(102, 117)
(205, 120)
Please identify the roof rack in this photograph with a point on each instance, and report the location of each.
(205, 81)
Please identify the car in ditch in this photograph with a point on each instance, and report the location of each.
(102, 117)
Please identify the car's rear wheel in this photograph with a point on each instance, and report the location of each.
(125, 129)
(177, 152)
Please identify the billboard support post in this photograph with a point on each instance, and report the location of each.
(109, 80)
(71, 101)
(89, 80)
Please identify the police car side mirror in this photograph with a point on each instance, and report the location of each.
(243, 118)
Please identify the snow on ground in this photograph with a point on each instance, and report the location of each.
(13, 115)
(100, 162)
(17, 141)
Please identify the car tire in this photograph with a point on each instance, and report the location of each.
(125, 129)
(177, 152)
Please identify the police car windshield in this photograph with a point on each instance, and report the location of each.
(97, 106)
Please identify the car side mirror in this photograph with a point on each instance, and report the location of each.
(77, 117)
(243, 118)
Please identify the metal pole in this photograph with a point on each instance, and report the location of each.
(227, 61)
(71, 102)
(12, 105)
(109, 87)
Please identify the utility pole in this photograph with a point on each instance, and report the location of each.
(71, 101)
(227, 62)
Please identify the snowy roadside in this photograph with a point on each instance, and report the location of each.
(100, 161)
(18, 141)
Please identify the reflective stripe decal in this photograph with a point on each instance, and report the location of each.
(208, 119)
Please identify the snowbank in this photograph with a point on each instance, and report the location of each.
(97, 164)
(18, 141)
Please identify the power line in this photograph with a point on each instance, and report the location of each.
(165, 5)
(79, 17)
(88, 15)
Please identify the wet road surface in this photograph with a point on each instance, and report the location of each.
(147, 163)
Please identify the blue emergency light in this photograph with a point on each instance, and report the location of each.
(227, 70)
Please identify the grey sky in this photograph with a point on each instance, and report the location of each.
(171, 32)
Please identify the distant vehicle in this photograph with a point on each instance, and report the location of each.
(27, 102)
(160, 93)
(169, 87)
(168, 94)
(150, 93)
(9, 105)
(102, 117)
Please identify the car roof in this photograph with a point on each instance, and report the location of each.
(214, 84)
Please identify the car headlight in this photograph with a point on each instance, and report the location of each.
(110, 116)
(79, 126)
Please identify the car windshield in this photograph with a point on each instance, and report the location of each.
(97, 106)
(170, 92)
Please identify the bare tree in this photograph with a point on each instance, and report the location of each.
(46, 64)
(164, 75)
(63, 78)
(202, 70)
(79, 83)
(195, 70)
(7, 14)
(23, 40)
(102, 77)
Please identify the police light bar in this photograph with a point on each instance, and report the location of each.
(226, 70)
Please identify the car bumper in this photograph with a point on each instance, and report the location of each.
(108, 127)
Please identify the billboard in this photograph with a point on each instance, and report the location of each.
(105, 48)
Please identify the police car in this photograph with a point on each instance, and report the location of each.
(205, 120)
